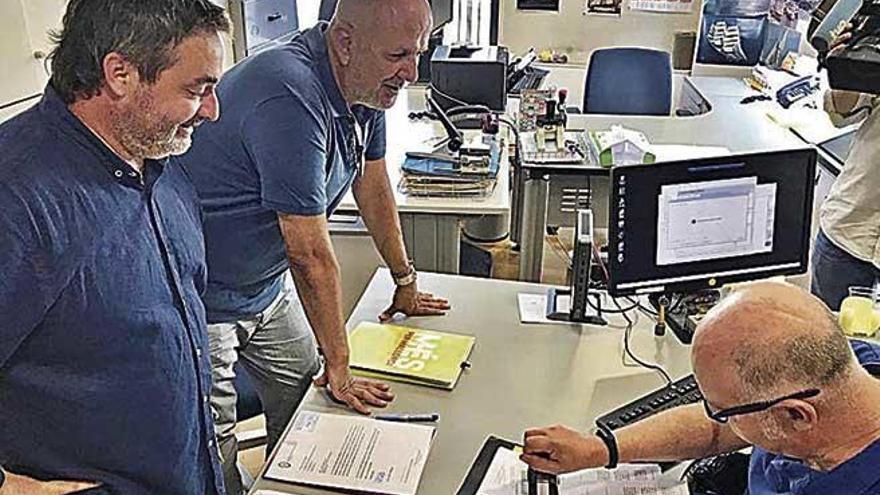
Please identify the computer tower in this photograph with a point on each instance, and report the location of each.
(580, 266)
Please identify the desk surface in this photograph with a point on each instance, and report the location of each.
(406, 135)
(522, 375)
(739, 127)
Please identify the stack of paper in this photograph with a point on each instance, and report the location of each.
(412, 355)
(462, 176)
(507, 475)
(352, 453)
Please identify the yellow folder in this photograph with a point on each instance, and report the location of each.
(412, 355)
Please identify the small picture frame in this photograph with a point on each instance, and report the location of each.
(552, 5)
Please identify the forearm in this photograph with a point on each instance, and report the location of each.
(674, 435)
(375, 199)
(317, 283)
(316, 276)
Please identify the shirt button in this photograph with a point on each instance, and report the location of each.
(198, 353)
(118, 173)
(205, 399)
(211, 443)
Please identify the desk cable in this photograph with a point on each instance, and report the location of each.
(629, 324)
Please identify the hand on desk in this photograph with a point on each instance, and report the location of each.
(22, 485)
(409, 301)
(357, 393)
(559, 449)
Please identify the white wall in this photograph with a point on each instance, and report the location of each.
(575, 34)
(23, 74)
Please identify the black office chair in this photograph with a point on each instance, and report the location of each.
(628, 81)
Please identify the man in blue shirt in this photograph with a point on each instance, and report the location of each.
(777, 374)
(302, 123)
(104, 365)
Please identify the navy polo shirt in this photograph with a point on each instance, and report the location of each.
(286, 142)
(104, 368)
(775, 474)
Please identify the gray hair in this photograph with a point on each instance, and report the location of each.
(819, 357)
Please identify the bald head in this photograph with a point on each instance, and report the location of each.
(375, 47)
(382, 13)
(769, 338)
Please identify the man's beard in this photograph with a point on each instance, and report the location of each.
(145, 134)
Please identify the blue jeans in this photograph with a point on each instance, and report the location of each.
(835, 270)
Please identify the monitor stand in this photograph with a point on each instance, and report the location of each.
(559, 307)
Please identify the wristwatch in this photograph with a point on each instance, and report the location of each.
(405, 278)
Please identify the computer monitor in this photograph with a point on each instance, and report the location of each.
(697, 224)
(441, 9)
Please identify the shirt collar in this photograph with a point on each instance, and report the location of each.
(53, 107)
(854, 476)
(317, 43)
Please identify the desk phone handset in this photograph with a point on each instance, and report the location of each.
(796, 90)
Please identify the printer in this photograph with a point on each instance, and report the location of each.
(473, 75)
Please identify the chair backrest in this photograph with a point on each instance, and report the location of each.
(628, 81)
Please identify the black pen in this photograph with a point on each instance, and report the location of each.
(408, 418)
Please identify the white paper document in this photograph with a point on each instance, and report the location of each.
(353, 453)
(714, 219)
(533, 308)
(507, 475)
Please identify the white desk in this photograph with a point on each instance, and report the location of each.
(740, 128)
(522, 375)
(431, 226)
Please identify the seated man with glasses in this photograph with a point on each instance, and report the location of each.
(777, 374)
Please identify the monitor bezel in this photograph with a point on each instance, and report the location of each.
(696, 282)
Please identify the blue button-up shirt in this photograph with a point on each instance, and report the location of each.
(774, 474)
(286, 142)
(104, 369)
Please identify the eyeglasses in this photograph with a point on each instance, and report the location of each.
(724, 415)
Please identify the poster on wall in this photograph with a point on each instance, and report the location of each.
(537, 4)
(602, 7)
(667, 6)
(732, 32)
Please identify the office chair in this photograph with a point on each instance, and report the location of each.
(628, 81)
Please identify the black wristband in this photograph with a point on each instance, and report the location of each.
(610, 441)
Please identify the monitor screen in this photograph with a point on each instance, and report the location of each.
(442, 10)
(697, 224)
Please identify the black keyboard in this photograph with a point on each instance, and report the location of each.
(532, 78)
(682, 392)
